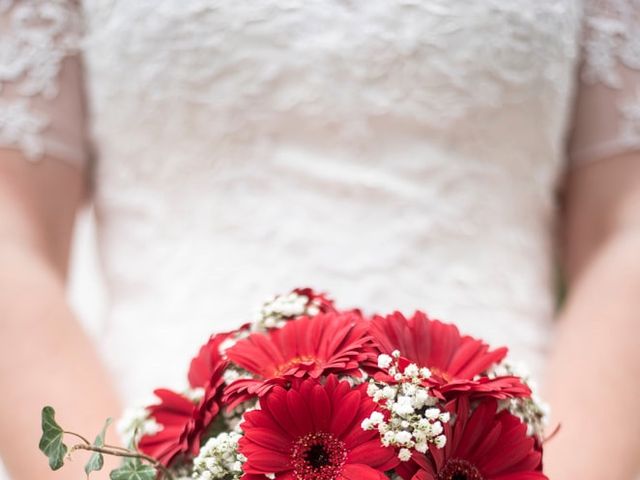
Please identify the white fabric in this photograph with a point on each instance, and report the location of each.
(398, 154)
(401, 155)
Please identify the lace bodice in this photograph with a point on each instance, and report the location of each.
(398, 153)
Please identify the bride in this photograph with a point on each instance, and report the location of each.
(407, 154)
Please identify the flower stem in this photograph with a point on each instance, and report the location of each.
(77, 435)
(113, 447)
(122, 452)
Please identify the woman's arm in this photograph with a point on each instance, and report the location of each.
(595, 370)
(45, 357)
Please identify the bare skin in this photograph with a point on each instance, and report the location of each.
(594, 371)
(594, 374)
(44, 349)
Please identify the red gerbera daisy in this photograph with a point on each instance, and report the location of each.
(183, 421)
(453, 359)
(313, 432)
(207, 361)
(305, 347)
(483, 445)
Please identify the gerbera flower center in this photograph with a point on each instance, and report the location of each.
(294, 362)
(439, 373)
(458, 469)
(318, 456)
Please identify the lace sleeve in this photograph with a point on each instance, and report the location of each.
(607, 113)
(41, 100)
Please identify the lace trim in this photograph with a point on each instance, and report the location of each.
(37, 37)
(611, 56)
(612, 39)
(21, 126)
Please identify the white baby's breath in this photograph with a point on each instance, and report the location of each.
(384, 361)
(404, 454)
(134, 424)
(533, 412)
(219, 458)
(194, 394)
(412, 420)
(277, 310)
(440, 441)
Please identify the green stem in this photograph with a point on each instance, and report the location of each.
(78, 436)
(121, 452)
(113, 447)
(552, 434)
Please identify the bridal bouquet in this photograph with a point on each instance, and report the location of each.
(308, 391)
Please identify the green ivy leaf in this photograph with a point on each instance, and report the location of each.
(51, 441)
(96, 461)
(134, 470)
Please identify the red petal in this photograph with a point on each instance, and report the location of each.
(362, 472)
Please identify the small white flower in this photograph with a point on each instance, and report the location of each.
(411, 370)
(436, 428)
(404, 454)
(422, 397)
(226, 344)
(384, 361)
(409, 389)
(444, 417)
(403, 406)
(194, 394)
(230, 375)
(388, 392)
(376, 418)
(372, 389)
(432, 413)
(421, 447)
(403, 438)
(440, 441)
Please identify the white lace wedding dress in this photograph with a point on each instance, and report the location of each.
(399, 154)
